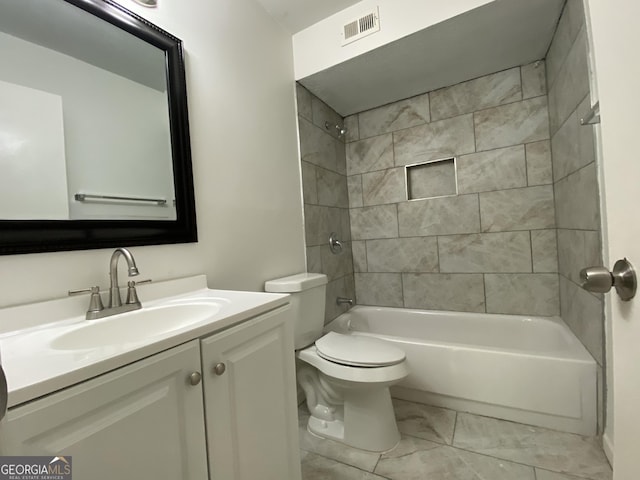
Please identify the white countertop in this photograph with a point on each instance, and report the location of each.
(34, 367)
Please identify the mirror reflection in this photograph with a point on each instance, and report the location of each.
(84, 118)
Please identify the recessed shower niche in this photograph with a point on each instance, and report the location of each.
(435, 178)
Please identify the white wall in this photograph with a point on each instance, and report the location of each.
(243, 138)
(398, 18)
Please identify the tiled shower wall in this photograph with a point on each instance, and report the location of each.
(575, 177)
(326, 203)
(492, 247)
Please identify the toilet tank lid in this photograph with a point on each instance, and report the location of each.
(295, 283)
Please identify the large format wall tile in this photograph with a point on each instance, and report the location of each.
(492, 170)
(444, 291)
(434, 140)
(486, 252)
(383, 186)
(309, 183)
(573, 145)
(316, 147)
(571, 84)
(418, 254)
(513, 124)
(359, 251)
(539, 169)
(332, 189)
(353, 128)
(395, 116)
(303, 98)
(488, 91)
(544, 251)
(577, 204)
(439, 216)
(374, 222)
(354, 187)
(381, 289)
(569, 26)
(518, 209)
(341, 287)
(583, 312)
(371, 154)
(523, 294)
(336, 266)
(534, 81)
(577, 249)
(322, 114)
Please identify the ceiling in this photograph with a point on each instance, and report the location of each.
(488, 39)
(296, 15)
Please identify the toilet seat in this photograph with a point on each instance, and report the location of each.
(357, 351)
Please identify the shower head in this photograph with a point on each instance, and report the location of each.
(342, 131)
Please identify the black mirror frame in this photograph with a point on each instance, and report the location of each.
(32, 236)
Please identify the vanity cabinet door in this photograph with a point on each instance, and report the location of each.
(142, 421)
(250, 400)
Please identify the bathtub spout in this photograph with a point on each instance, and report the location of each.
(308, 379)
(344, 301)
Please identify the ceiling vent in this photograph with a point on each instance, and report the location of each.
(361, 27)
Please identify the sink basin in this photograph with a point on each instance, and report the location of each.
(135, 326)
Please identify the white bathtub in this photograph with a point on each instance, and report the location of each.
(530, 370)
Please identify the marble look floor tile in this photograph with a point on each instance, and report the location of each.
(316, 467)
(409, 445)
(336, 450)
(426, 422)
(547, 475)
(447, 463)
(547, 449)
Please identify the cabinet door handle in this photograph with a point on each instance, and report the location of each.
(219, 368)
(194, 378)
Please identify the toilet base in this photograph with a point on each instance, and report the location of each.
(368, 421)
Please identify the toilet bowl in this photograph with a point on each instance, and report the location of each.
(345, 378)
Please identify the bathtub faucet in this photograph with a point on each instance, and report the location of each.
(344, 301)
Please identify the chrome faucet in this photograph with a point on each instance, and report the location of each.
(96, 309)
(114, 290)
(344, 301)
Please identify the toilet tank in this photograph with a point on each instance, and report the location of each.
(307, 292)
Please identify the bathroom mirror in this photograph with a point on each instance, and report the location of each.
(94, 133)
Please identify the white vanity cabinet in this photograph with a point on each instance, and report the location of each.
(178, 414)
(250, 400)
(142, 421)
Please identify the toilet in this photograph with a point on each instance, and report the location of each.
(345, 378)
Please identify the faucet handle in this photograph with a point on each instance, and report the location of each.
(95, 302)
(132, 295)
